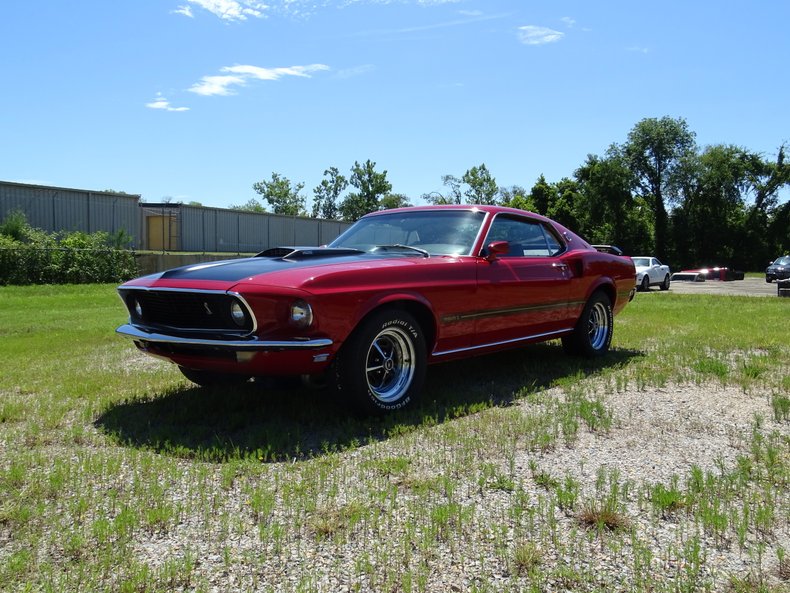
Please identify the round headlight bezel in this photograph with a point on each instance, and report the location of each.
(301, 314)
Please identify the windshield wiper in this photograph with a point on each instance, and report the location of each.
(406, 247)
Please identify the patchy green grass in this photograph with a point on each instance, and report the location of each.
(116, 474)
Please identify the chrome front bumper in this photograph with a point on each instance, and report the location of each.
(250, 345)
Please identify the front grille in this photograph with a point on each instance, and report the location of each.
(185, 310)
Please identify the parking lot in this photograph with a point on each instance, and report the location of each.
(745, 287)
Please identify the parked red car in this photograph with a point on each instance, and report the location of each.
(397, 291)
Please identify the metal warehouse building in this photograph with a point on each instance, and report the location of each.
(161, 227)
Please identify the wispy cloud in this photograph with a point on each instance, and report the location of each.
(241, 10)
(568, 21)
(638, 49)
(466, 20)
(227, 10)
(533, 35)
(183, 10)
(160, 102)
(355, 71)
(240, 75)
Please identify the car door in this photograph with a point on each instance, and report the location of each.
(524, 292)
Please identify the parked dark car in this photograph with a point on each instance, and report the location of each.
(779, 269)
(397, 291)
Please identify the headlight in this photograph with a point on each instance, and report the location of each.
(301, 314)
(137, 308)
(237, 314)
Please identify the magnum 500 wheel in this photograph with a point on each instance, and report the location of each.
(381, 368)
(593, 333)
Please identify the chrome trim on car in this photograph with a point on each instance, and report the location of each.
(505, 342)
(195, 291)
(252, 344)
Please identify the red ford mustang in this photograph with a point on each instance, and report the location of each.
(397, 291)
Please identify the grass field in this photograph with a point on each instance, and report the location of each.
(116, 474)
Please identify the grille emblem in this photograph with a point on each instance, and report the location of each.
(208, 309)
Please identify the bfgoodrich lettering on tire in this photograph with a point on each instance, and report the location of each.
(381, 368)
(593, 333)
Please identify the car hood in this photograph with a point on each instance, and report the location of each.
(297, 270)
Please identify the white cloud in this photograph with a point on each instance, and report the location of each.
(568, 21)
(183, 10)
(239, 75)
(638, 49)
(532, 35)
(161, 102)
(232, 10)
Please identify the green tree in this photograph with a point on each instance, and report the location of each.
(656, 151)
(391, 201)
(482, 187)
(516, 197)
(609, 212)
(326, 194)
(282, 196)
(371, 186)
(542, 195)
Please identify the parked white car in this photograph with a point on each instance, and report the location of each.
(651, 272)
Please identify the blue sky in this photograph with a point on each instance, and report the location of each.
(199, 99)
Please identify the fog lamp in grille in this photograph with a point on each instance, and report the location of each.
(237, 314)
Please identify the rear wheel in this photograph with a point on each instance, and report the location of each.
(592, 335)
(382, 366)
(212, 379)
(665, 283)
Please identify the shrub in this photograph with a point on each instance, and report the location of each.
(32, 256)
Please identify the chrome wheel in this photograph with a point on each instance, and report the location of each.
(598, 329)
(390, 364)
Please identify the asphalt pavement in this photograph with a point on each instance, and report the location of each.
(745, 287)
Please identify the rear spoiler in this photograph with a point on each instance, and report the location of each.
(614, 250)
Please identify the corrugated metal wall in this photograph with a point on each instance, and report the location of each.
(216, 229)
(60, 209)
(196, 228)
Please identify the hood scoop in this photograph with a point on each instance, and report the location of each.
(302, 253)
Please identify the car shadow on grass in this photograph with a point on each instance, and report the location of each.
(281, 420)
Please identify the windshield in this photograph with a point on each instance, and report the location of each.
(641, 262)
(437, 232)
(782, 261)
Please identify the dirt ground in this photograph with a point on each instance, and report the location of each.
(745, 287)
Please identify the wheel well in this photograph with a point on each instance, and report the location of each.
(419, 311)
(609, 291)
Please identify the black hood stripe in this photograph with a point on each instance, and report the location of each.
(235, 270)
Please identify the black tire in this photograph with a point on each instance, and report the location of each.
(381, 367)
(768, 279)
(645, 286)
(592, 335)
(211, 379)
(665, 283)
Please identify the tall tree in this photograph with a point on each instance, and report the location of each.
(542, 195)
(656, 151)
(391, 201)
(326, 194)
(282, 196)
(371, 186)
(482, 185)
(609, 212)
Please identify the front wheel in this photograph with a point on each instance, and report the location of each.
(382, 366)
(592, 335)
(645, 286)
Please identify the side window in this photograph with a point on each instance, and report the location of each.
(527, 238)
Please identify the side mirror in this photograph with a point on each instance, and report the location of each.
(496, 249)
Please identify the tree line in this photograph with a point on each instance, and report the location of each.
(658, 193)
